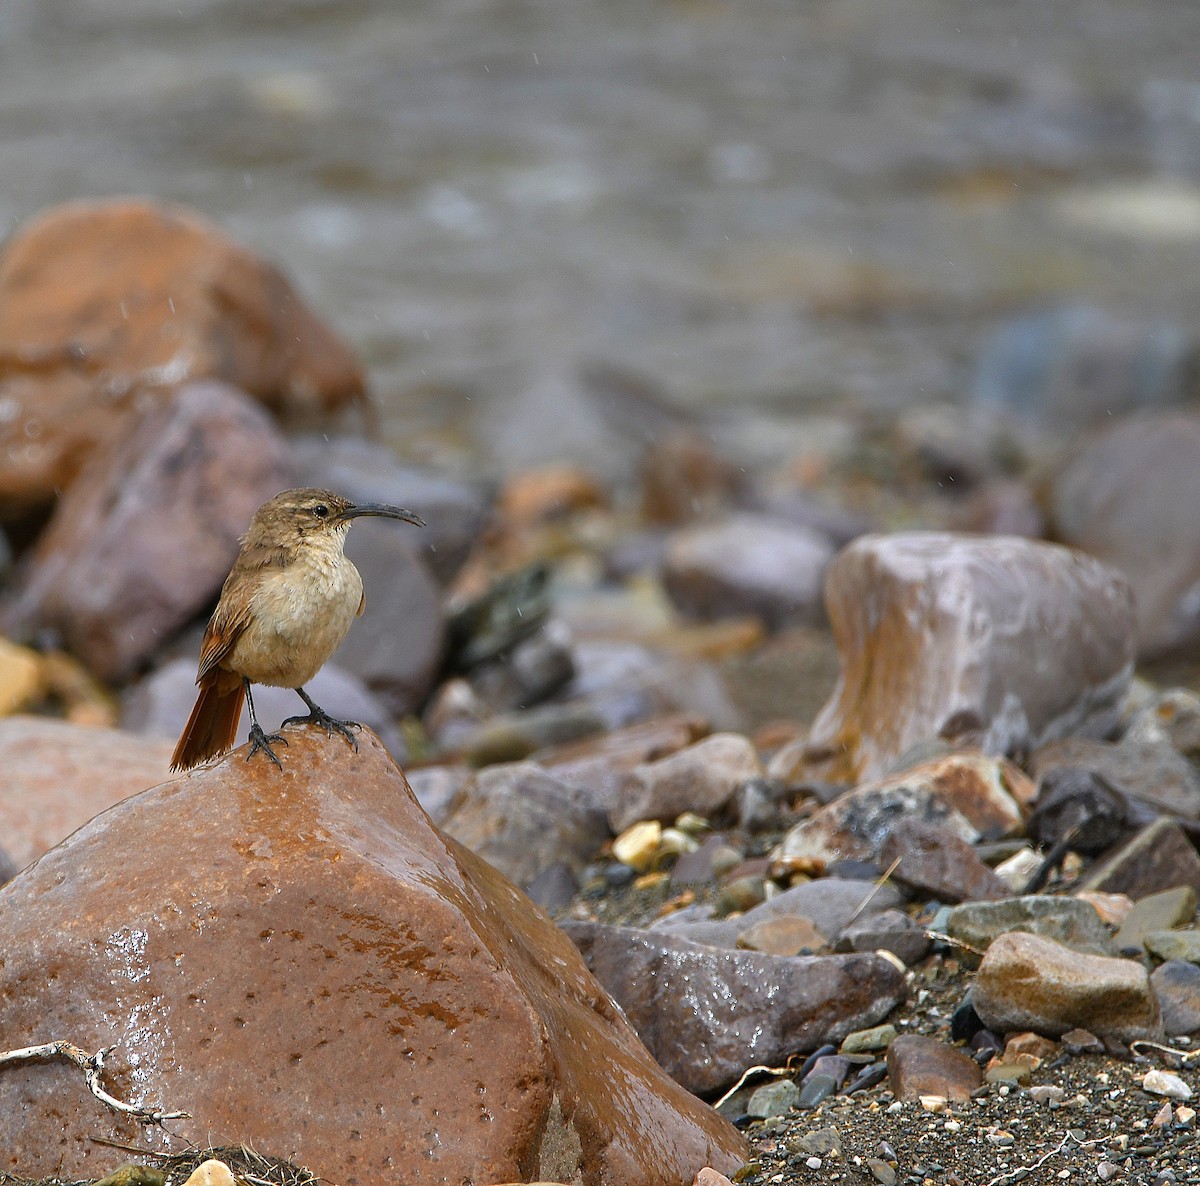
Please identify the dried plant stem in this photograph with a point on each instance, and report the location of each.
(92, 1066)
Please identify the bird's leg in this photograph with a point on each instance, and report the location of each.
(318, 716)
(258, 739)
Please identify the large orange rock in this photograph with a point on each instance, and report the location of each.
(301, 961)
(109, 305)
(1002, 641)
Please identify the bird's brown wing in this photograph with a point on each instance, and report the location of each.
(224, 629)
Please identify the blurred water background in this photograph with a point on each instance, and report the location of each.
(785, 210)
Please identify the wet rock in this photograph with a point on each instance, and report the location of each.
(522, 820)
(712, 860)
(141, 542)
(1065, 920)
(708, 1014)
(1164, 911)
(945, 635)
(454, 510)
(531, 671)
(702, 778)
(935, 863)
(828, 903)
(1075, 365)
(57, 776)
(748, 564)
(920, 1066)
(1026, 982)
(159, 705)
(396, 647)
(111, 305)
(1177, 986)
(1160, 856)
(967, 795)
(1151, 773)
(887, 930)
(393, 972)
(773, 1099)
(1125, 497)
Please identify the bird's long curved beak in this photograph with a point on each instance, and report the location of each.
(383, 511)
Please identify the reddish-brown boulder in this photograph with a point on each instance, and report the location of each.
(302, 962)
(57, 776)
(1005, 642)
(106, 306)
(141, 542)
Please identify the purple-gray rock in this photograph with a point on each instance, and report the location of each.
(1127, 497)
(1067, 921)
(158, 705)
(1005, 642)
(920, 1066)
(1159, 857)
(888, 930)
(707, 1014)
(1177, 986)
(748, 564)
(935, 863)
(141, 541)
(522, 820)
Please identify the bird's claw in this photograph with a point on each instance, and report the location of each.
(262, 741)
(330, 724)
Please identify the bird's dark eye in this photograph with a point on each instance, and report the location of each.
(320, 510)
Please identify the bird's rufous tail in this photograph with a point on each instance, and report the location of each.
(212, 728)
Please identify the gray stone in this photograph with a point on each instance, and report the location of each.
(706, 1014)
(748, 564)
(522, 820)
(1177, 986)
(703, 778)
(1163, 911)
(436, 788)
(1065, 920)
(773, 1099)
(158, 705)
(887, 930)
(1158, 857)
(934, 863)
(1174, 945)
(1026, 982)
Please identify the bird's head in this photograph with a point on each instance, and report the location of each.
(309, 513)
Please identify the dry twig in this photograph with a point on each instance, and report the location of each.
(92, 1066)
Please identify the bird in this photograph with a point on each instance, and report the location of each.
(286, 605)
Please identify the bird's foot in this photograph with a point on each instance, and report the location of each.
(331, 725)
(262, 741)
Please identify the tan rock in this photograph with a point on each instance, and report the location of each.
(112, 305)
(22, 680)
(211, 1173)
(1026, 982)
(57, 776)
(919, 1066)
(786, 934)
(302, 962)
(945, 635)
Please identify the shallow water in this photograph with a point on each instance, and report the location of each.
(792, 204)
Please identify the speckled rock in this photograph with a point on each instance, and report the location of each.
(382, 971)
(937, 864)
(708, 1014)
(945, 635)
(142, 540)
(887, 930)
(1158, 857)
(967, 795)
(1026, 982)
(111, 305)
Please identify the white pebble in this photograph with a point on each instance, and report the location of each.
(1164, 1083)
